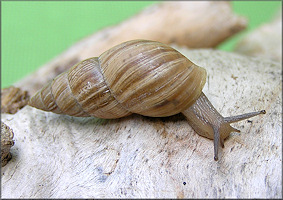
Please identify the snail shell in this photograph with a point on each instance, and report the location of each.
(139, 76)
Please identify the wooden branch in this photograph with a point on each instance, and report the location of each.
(193, 24)
(265, 41)
(57, 156)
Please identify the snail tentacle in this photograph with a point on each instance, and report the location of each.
(237, 118)
(216, 141)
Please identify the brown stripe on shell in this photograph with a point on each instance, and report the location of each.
(48, 99)
(148, 68)
(171, 93)
(64, 97)
(118, 50)
(44, 100)
(145, 76)
(125, 68)
(155, 73)
(88, 86)
(126, 56)
(131, 68)
(162, 94)
(36, 101)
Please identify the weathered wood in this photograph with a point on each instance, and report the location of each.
(192, 24)
(13, 99)
(265, 41)
(58, 156)
(6, 143)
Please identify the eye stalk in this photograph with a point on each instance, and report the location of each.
(207, 121)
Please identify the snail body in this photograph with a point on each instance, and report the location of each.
(139, 76)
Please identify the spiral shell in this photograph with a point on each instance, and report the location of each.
(138, 76)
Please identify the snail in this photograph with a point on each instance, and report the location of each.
(138, 76)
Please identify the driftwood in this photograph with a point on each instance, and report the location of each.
(265, 41)
(6, 143)
(13, 99)
(192, 24)
(58, 156)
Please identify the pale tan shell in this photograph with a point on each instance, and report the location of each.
(138, 76)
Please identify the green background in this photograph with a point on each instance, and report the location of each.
(33, 32)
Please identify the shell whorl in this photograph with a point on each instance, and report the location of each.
(81, 92)
(138, 76)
